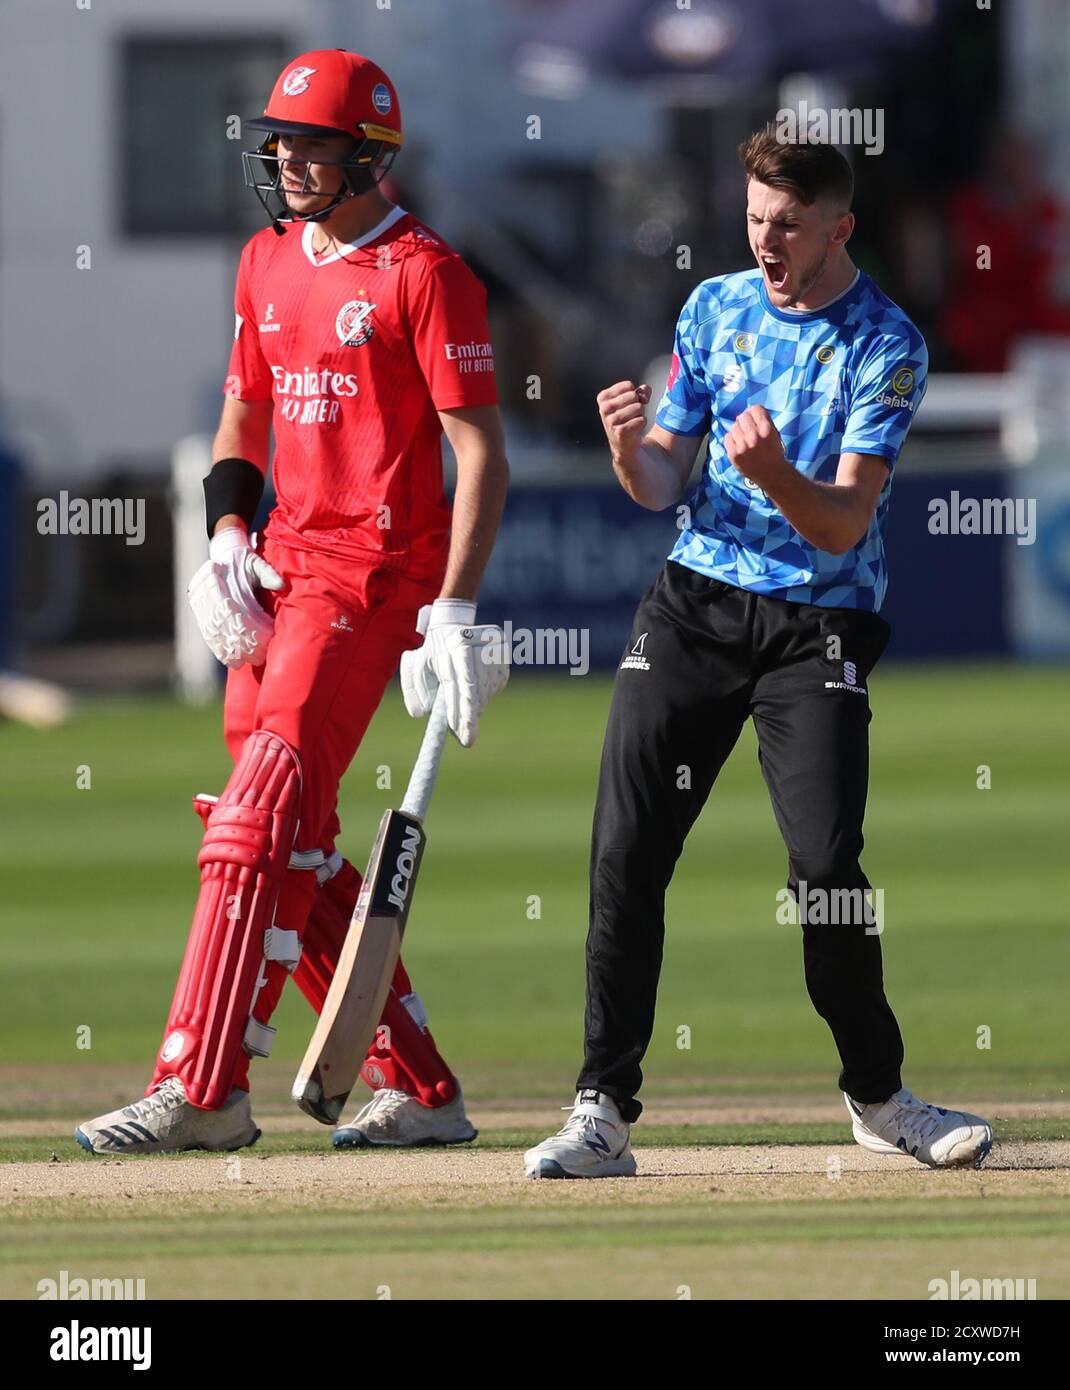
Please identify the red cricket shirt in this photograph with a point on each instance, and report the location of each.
(359, 349)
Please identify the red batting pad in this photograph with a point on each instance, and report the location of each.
(243, 857)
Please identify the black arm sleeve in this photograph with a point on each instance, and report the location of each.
(233, 485)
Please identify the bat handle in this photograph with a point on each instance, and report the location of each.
(422, 781)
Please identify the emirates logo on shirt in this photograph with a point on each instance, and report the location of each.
(470, 357)
(353, 324)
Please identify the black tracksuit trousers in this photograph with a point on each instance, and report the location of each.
(702, 657)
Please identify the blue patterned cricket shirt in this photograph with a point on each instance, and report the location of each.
(847, 378)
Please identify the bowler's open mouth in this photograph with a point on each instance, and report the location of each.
(775, 271)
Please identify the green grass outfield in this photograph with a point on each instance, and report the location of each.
(99, 885)
(98, 888)
(684, 1249)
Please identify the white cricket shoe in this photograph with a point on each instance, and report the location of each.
(165, 1122)
(934, 1136)
(592, 1143)
(396, 1120)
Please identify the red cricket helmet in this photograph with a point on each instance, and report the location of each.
(327, 92)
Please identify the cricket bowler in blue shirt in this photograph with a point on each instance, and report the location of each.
(804, 378)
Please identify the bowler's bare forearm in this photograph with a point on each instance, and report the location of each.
(651, 476)
(832, 516)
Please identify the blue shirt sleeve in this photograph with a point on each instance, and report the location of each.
(886, 394)
(685, 406)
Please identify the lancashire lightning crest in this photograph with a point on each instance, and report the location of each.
(353, 324)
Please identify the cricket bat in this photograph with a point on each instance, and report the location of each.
(361, 982)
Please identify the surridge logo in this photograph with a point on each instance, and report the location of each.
(733, 377)
(636, 659)
(850, 680)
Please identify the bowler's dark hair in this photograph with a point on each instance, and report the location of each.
(809, 171)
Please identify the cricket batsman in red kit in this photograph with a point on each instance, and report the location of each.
(360, 337)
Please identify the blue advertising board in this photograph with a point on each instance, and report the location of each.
(576, 560)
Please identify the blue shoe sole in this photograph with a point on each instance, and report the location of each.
(349, 1139)
(549, 1168)
(84, 1142)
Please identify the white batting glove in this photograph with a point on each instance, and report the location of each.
(222, 595)
(468, 662)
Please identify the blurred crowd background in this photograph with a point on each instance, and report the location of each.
(582, 155)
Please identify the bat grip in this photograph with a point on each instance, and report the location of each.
(422, 781)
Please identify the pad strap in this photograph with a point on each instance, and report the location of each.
(282, 945)
(325, 865)
(259, 1038)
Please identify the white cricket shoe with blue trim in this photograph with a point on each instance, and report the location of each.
(166, 1122)
(396, 1120)
(903, 1124)
(592, 1143)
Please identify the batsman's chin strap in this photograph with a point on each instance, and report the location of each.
(278, 224)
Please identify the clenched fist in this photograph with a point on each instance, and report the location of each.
(623, 411)
(755, 448)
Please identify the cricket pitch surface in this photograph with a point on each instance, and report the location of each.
(705, 1217)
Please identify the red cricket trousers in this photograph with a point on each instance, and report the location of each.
(340, 630)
